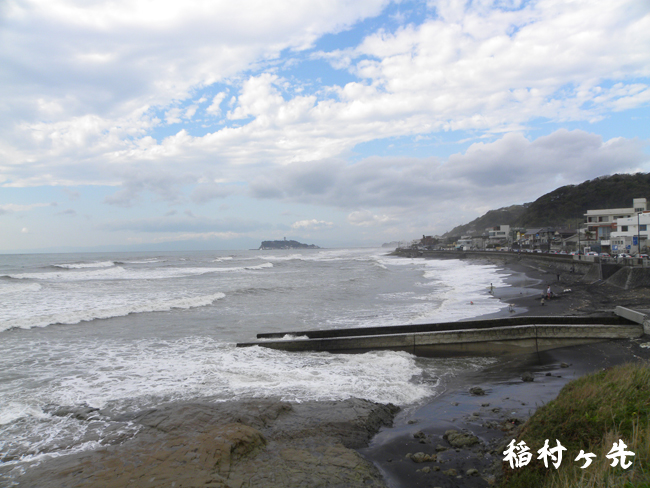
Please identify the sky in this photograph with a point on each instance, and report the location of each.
(213, 124)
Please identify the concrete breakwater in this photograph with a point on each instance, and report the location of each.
(496, 337)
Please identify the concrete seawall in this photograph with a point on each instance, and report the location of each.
(612, 319)
(495, 341)
(495, 337)
(622, 274)
(555, 262)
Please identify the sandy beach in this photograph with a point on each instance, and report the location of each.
(356, 442)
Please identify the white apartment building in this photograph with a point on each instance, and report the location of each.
(629, 231)
(601, 223)
(499, 232)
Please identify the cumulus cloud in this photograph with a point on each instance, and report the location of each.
(472, 66)
(511, 170)
(215, 108)
(130, 58)
(157, 98)
(366, 218)
(312, 224)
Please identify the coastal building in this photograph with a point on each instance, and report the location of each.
(428, 241)
(479, 242)
(564, 238)
(538, 238)
(464, 243)
(498, 235)
(631, 234)
(498, 232)
(602, 222)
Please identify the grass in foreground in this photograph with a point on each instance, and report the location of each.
(591, 414)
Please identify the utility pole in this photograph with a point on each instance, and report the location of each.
(638, 234)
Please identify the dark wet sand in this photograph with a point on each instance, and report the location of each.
(508, 401)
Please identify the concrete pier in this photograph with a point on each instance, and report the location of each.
(496, 337)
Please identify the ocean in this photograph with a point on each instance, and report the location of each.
(129, 331)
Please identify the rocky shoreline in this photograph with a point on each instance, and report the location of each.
(264, 442)
(457, 439)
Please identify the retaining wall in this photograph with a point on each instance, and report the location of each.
(628, 278)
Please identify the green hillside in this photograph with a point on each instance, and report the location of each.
(566, 205)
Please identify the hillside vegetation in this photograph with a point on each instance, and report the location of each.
(566, 205)
(590, 414)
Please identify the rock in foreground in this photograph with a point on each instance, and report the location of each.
(236, 444)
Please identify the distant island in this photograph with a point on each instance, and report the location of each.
(286, 245)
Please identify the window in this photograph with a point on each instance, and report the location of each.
(637, 210)
(643, 227)
(623, 228)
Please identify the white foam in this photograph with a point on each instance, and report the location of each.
(79, 311)
(116, 373)
(144, 261)
(128, 375)
(113, 273)
(6, 288)
(120, 273)
(96, 264)
(220, 260)
(289, 257)
(384, 376)
(327, 255)
(459, 289)
(286, 337)
(43, 436)
(259, 266)
(11, 411)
